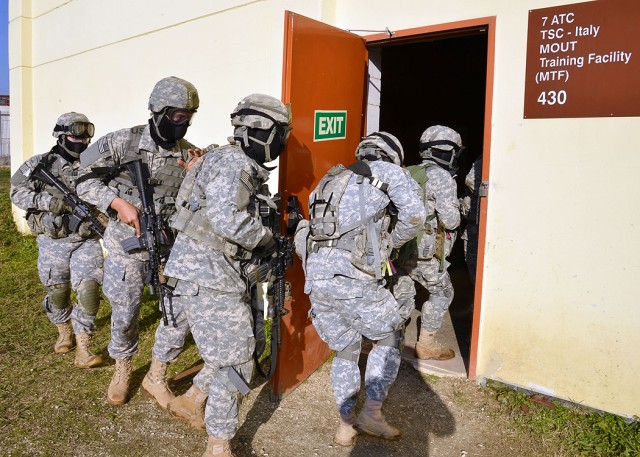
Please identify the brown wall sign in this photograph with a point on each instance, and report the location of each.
(583, 60)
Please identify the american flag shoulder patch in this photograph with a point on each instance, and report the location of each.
(247, 181)
(103, 146)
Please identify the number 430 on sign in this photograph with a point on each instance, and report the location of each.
(551, 97)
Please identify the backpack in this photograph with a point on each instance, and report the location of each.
(410, 249)
(368, 252)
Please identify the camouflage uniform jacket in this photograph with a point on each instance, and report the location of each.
(441, 198)
(470, 201)
(34, 196)
(225, 190)
(403, 191)
(102, 178)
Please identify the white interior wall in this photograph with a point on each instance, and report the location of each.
(559, 313)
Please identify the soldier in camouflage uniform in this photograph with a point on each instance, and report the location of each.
(470, 209)
(343, 275)
(218, 227)
(104, 182)
(440, 147)
(66, 260)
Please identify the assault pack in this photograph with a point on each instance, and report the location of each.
(368, 252)
(420, 247)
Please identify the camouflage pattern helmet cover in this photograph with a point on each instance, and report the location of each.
(259, 111)
(376, 142)
(66, 120)
(173, 92)
(439, 133)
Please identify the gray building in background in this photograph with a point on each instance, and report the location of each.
(5, 147)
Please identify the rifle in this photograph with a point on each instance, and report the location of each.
(153, 234)
(79, 210)
(441, 236)
(272, 270)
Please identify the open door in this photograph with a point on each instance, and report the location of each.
(324, 75)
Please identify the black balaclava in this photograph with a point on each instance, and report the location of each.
(257, 151)
(165, 132)
(70, 150)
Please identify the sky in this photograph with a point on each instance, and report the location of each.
(4, 47)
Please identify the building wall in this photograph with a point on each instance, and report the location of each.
(559, 312)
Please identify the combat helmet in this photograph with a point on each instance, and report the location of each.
(380, 145)
(441, 144)
(262, 125)
(73, 124)
(173, 92)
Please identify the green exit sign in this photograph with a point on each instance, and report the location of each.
(330, 125)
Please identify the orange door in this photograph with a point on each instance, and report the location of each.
(325, 70)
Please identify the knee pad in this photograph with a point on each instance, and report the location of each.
(394, 340)
(351, 352)
(59, 295)
(89, 297)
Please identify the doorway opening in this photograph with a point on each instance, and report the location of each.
(417, 81)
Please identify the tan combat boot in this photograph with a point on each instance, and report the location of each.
(64, 343)
(190, 407)
(155, 383)
(372, 422)
(119, 387)
(218, 448)
(84, 357)
(428, 348)
(346, 433)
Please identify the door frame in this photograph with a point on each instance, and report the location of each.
(417, 34)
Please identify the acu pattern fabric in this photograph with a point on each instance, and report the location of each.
(63, 257)
(125, 272)
(348, 303)
(210, 288)
(470, 209)
(441, 200)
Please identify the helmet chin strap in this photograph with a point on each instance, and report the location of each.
(155, 124)
(266, 145)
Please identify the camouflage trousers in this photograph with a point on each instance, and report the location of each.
(221, 325)
(440, 292)
(343, 311)
(64, 260)
(123, 285)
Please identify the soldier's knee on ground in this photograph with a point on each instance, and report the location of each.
(351, 352)
(89, 296)
(60, 295)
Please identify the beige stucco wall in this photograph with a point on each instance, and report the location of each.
(559, 312)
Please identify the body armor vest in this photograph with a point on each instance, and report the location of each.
(165, 179)
(191, 220)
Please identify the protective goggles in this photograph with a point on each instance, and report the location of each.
(77, 129)
(179, 116)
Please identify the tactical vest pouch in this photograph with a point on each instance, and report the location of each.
(323, 210)
(46, 223)
(195, 226)
(362, 255)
